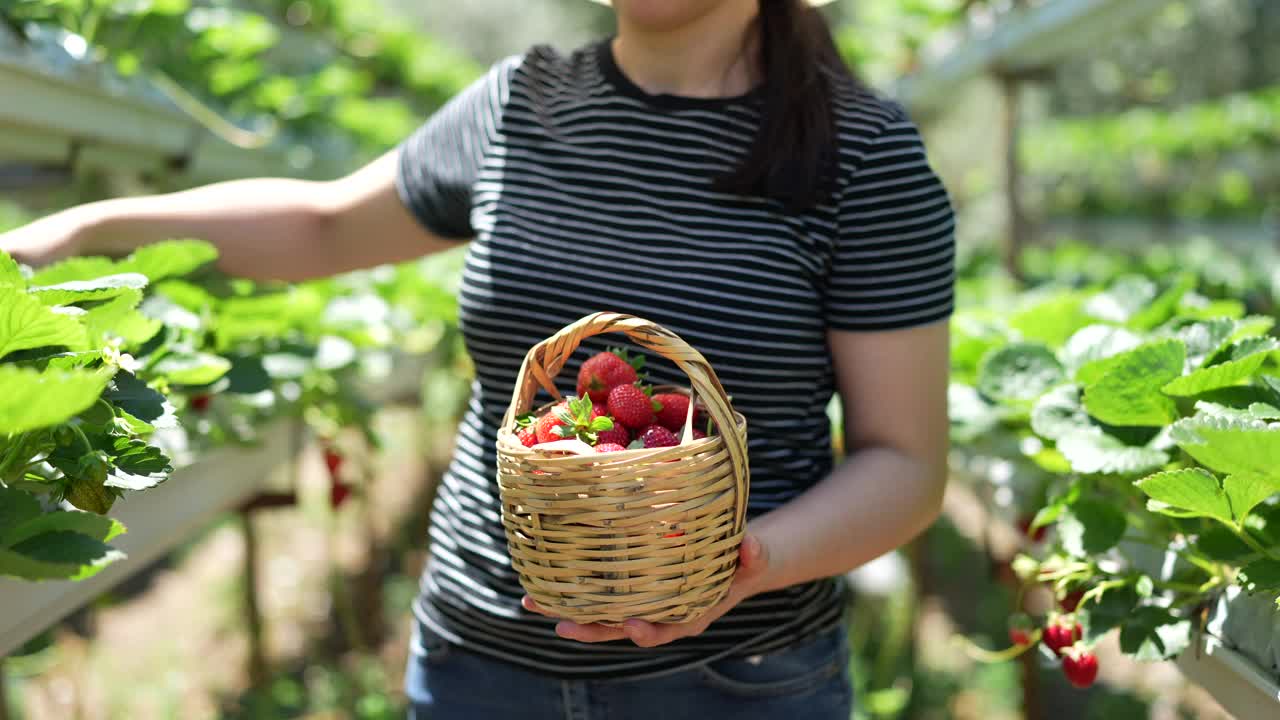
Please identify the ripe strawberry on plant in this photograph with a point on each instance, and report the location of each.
(1061, 632)
(656, 436)
(1080, 665)
(672, 411)
(604, 371)
(1071, 601)
(1035, 536)
(338, 493)
(1021, 630)
(333, 461)
(630, 406)
(200, 403)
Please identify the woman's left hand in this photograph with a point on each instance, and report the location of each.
(753, 566)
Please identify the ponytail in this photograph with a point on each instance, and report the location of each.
(793, 157)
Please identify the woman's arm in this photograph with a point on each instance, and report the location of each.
(893, 386)
(264, 229)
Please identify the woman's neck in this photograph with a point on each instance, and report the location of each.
(713, 55)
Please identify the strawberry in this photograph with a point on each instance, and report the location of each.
(1080, 665)
(630, 406)
(610, 447)
(1062, 632)
(1020, 630)
(333, 461)
(546, 424)
(200, 403)
(674, 408)
(678, 533)
(617, 435)
(656, 436)
(698, 434)
(338, 493)
(575, 417)
(603, 372)
(528, 436)
(1071, 601)
(1035, 536)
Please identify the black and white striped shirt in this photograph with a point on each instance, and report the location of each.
(581, 192)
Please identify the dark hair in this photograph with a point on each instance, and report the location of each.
(793, 157)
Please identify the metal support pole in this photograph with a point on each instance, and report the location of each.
(1018, 229)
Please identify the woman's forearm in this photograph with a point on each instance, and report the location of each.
(263, 228)
(874, 502)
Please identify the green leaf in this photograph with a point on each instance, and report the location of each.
(1097, 342)
(247, 375)
(1052, 320)
(1152, 634)
(31, 399)
(16, 508)
(1261, 576)
(75, 291)
(1110, 611)
(1221, 545)
(135, 397)
(1128, 394)
(1058, 412)
(99, 528)
(970, 415)
(57, 555)
(25, 324)
(10, 274)
(1124, 299)
(1199, 493)
(1241, 367)
(76, 268)
(193, 368)
(1204, 339)
(171, 258)
(1090, 527)
(136, 463)
(1194, 491)
(1019, 373)
(1092, 451)
(1165, 306)
(1231, 446)
(120, 318)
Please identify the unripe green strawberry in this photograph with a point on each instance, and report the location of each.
(674, 409)
(630, 406)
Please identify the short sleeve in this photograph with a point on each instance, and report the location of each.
(440, 162)
(893, 264)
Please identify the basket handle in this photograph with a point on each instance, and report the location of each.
(545, 360)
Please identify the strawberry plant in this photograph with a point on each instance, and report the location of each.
(1140, 419)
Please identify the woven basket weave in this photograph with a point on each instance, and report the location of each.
(650, 534)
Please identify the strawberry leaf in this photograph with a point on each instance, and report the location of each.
(76, 291)
(1261, 576)
(10, 273)
(57, 555)
(1247, 359)
(1019, 373)
(601, 424)
(191, 368)
(1090, 451)
(171, 258)
(1247, 448)
(1128, 392)
(1152, 634)
(26, 324)
(1090, 527)
(31, 399)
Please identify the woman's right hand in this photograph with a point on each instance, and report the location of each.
(46, 240)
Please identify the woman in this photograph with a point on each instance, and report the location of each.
(715, 168)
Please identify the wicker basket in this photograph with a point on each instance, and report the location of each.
(650, 534)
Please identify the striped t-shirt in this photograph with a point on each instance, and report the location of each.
(579, 191)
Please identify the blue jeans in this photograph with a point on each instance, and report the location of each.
(809, 681)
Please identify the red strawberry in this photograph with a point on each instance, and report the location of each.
(656, 436)
(630, 406)
(200, 403)
(1062, 632)
(1079, 665)
(610, 447)
(546, 425)
(1035, 536)
(1020, 630)
(674, 408)
(603, 372)
(617, 435)
(698, 434)
(528, 436)
(679, 533)
(333, 461)
(338, 493)
(1071, 601)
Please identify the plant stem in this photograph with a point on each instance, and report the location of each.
(1253, 544)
